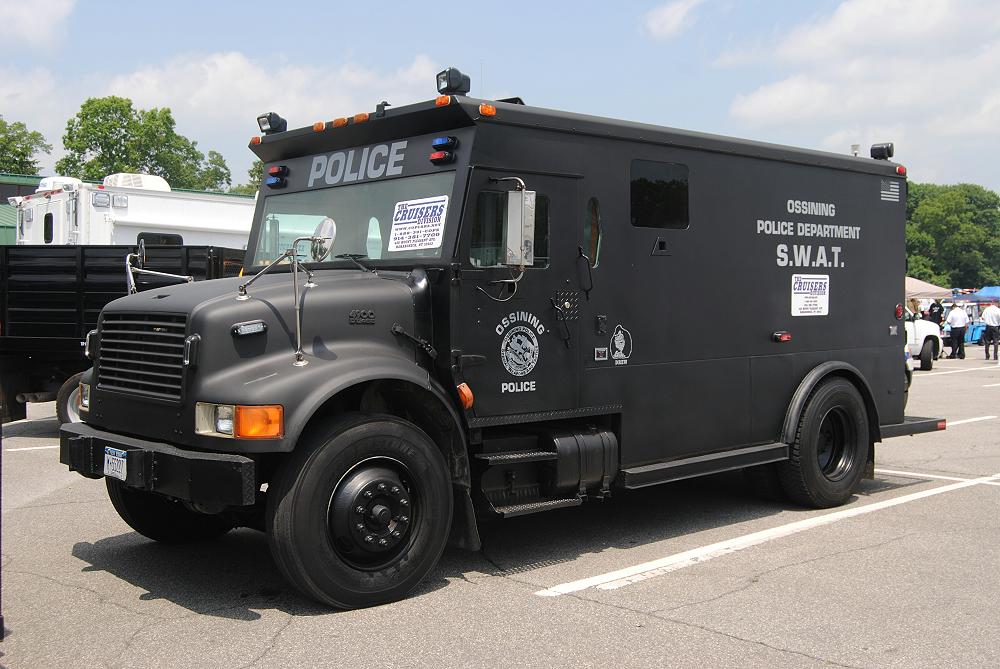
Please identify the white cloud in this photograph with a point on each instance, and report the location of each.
(34, 23)
(920, 73)
(670, 19)
(215, 98)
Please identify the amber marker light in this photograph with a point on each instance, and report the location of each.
(361, 118)
(259, 422)
(465, 394)
(319, 126)
(255, 140)
(340, 122)
(487, 110)
(442, 101)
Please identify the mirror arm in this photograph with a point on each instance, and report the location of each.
(590, 272)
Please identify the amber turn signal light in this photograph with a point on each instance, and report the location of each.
(259, 422)
(465, 395)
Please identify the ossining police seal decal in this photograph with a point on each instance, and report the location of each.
(519, 350)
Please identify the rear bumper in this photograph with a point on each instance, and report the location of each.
(191, 476)
(912, 425)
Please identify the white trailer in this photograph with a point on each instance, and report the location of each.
(67, 211)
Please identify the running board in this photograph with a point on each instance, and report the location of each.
(514, 457)
(675, 470)
(535, 507)
(912, 425)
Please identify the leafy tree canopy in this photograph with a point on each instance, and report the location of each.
(18, 148)
(953, 234)
(255, 175)
(109, 135)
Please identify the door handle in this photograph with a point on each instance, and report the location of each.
(561, 317)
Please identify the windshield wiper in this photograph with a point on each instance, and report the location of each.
(356, 259)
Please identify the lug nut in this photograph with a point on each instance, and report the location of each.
(383, 542)
(397, 534)
(359, 509)
(381, 486)
(404, 502)
(360, 526)
(369, 539)
(395, 490)
(404, 519)
(368, 494)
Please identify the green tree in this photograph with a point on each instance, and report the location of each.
(110, 135)
(953, 234)
(255, 175)
(18, 148)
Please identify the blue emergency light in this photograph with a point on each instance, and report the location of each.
(444, 143)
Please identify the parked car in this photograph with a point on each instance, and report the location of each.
(923, 339)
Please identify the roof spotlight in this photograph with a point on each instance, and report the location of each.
(882, 151)
(453, 82)
(271, 123)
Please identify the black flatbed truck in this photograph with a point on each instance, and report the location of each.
(51, 297)
(499, 322)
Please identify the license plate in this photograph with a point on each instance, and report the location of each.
(115, 463)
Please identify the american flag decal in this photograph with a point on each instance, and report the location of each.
(889, 191)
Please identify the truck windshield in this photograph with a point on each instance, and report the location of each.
(393, 219)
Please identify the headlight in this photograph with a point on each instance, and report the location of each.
(242, 422)
(224, 418)
(84, 397)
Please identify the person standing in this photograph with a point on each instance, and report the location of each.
(958, 320)
(935, 313)
(991, 316)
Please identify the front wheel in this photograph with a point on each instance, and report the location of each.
(927, 356)
(163, 519)
(67, 400)
(361, 511)
(831, 447)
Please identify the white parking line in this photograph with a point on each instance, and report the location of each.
(28, 448)
(991, 385)
(641, 572)
(969, 420)
(991, 368)
(921, 475)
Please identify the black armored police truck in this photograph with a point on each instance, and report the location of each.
(465, 309)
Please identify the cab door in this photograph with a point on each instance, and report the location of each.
(516, 335)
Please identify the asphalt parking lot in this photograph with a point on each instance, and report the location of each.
(695, 573)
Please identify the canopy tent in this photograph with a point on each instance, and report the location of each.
(920, 290)
(986, 294)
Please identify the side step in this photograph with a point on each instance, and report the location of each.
(535, 507)
(675, 470)
(514, 457)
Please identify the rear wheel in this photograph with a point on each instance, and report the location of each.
(67, 400)
(831, 447)
(361, 512)
(161, 518)
(927, 356)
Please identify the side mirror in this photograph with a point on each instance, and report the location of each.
(520, 228)
(322, 240)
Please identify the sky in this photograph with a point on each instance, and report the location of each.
(823, 74)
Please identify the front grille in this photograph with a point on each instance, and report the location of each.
(142, 354)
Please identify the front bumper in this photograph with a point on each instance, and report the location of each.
(192, 476)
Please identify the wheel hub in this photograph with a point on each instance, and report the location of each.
(370, 514)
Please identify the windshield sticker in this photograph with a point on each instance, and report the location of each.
(810, 294)
(418, 224)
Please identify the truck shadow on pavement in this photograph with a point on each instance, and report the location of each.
(234, 576)
(44, 427)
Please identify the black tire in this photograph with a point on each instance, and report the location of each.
(765, 483)
(927, 356)
(66, 399)
(163, 519)
(830, 451)
(361, 511)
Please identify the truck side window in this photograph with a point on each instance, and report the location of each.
(659, 195)
(592, 231)
(48, 228)
(487, 248)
